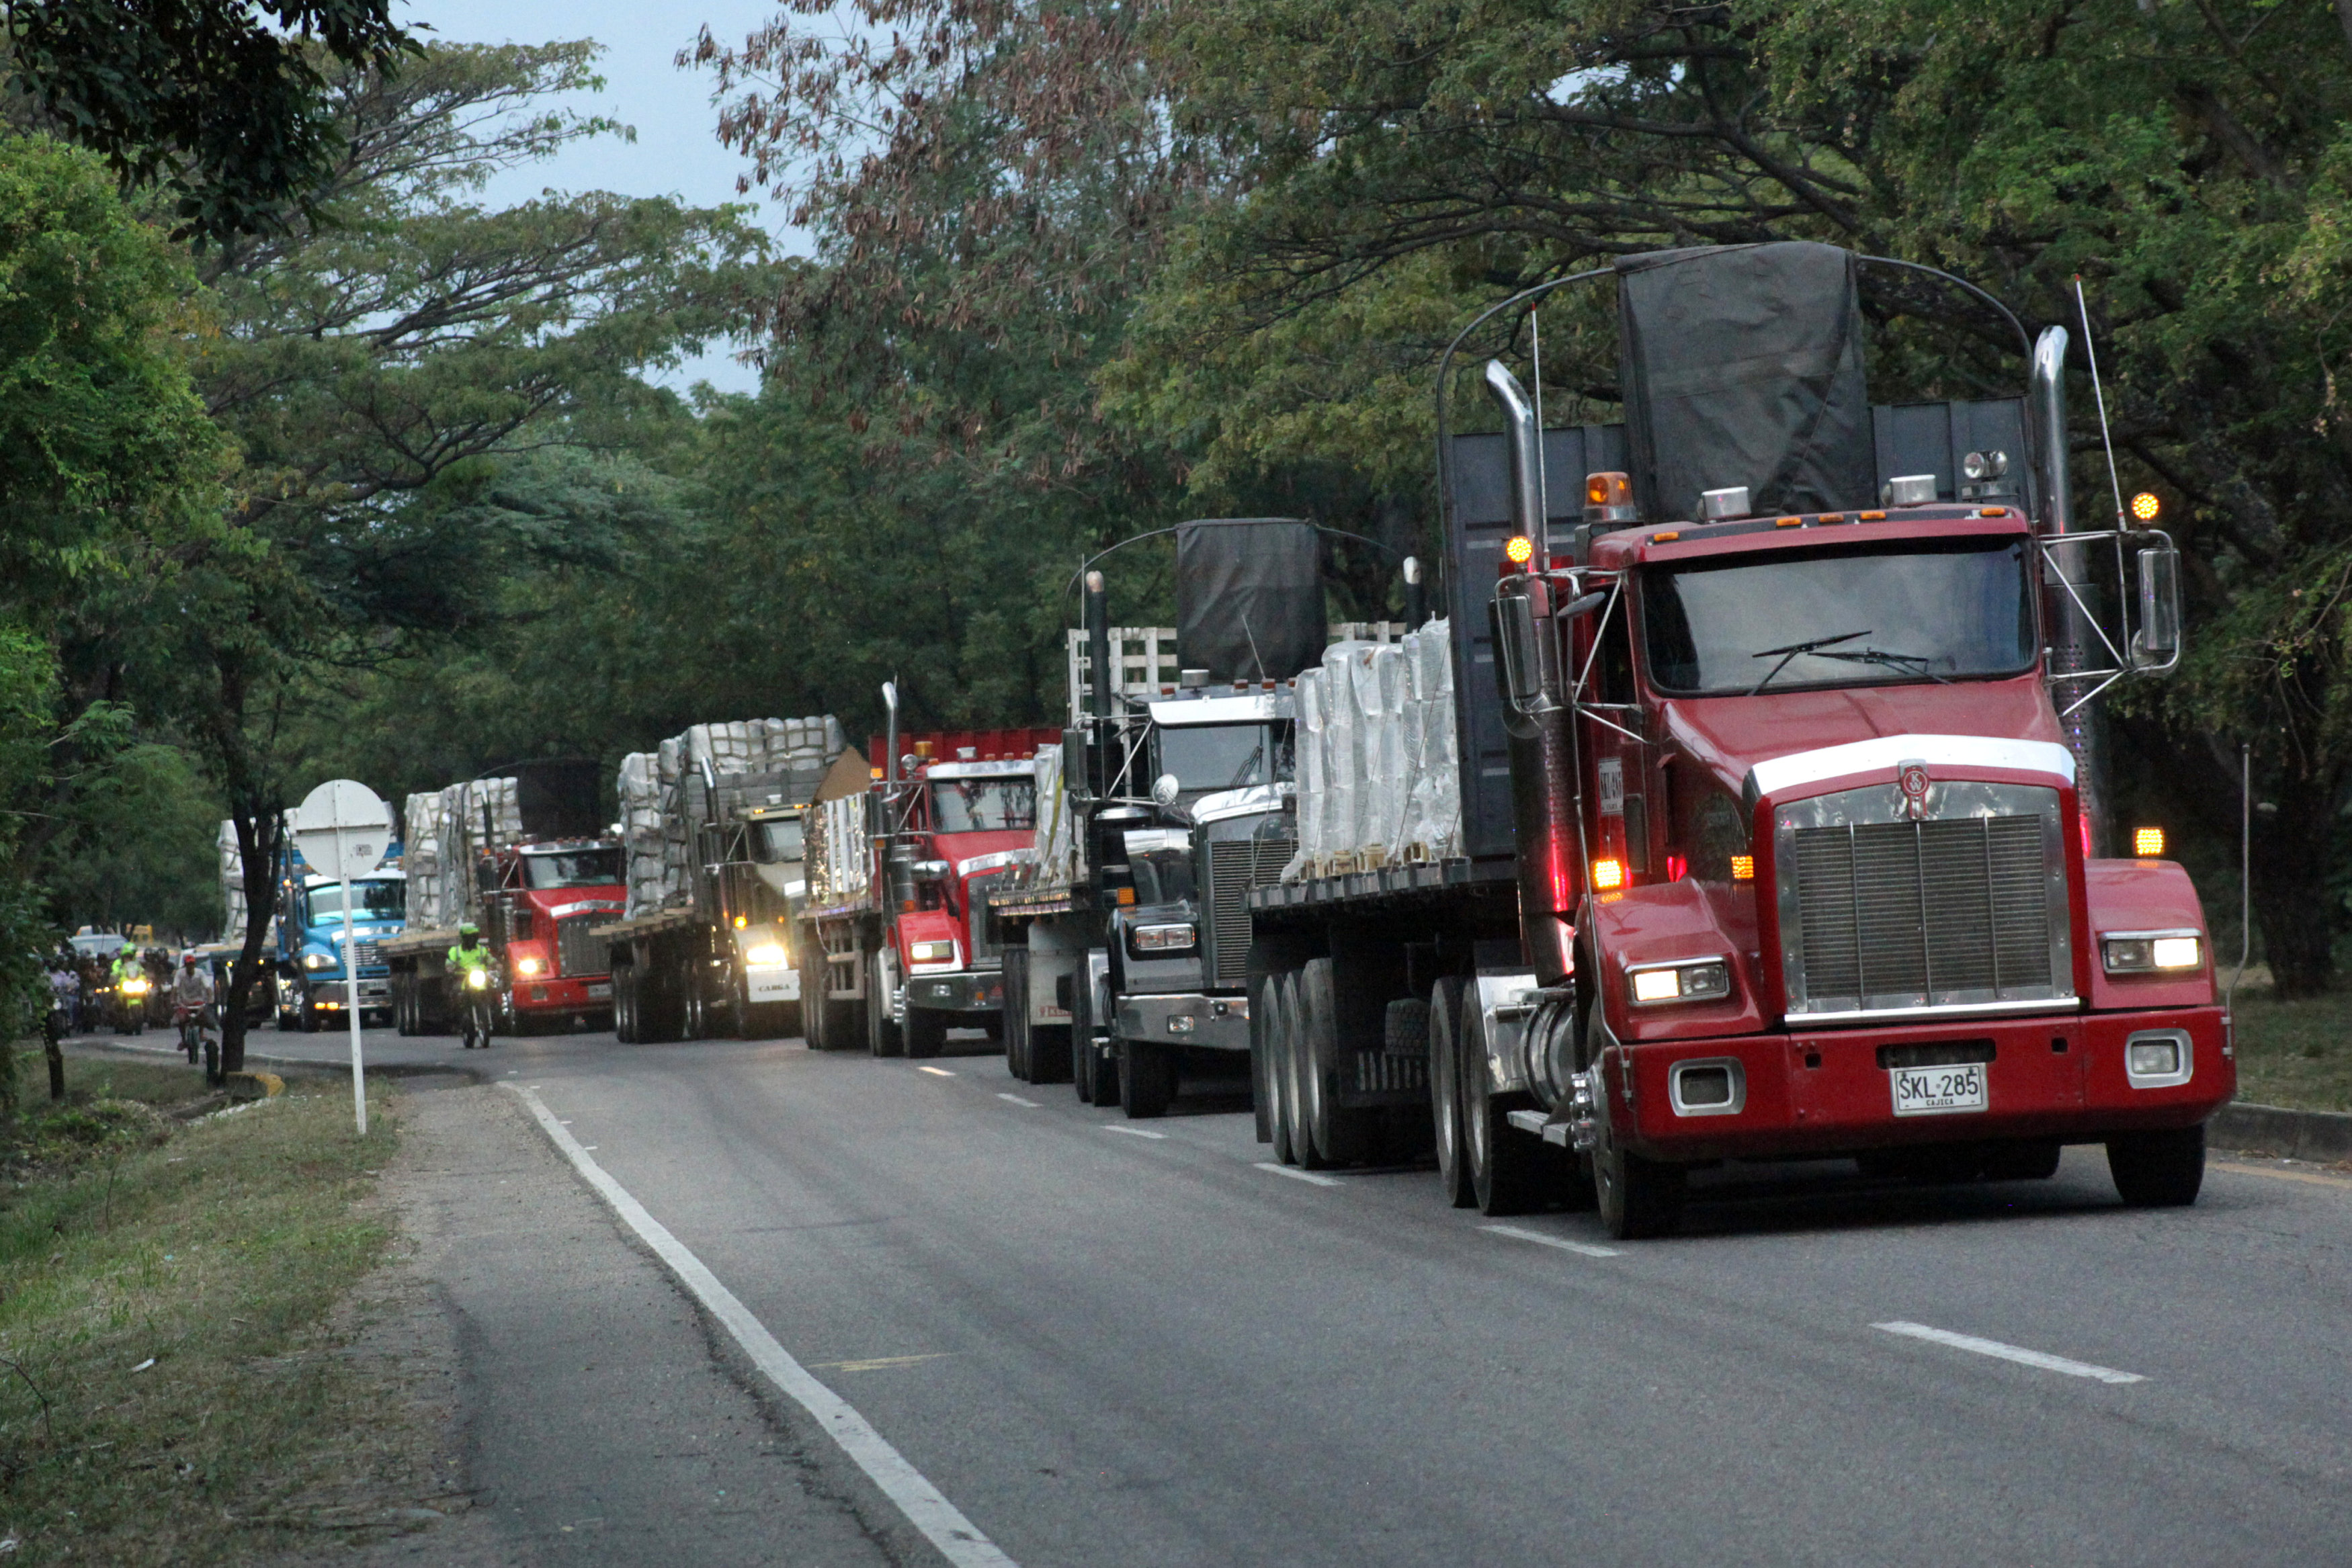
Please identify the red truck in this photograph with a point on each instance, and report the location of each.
(897, 941)
(1783, 824)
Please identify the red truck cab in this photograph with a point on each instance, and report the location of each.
(1838, 894)
(550, 898)
(962, 822)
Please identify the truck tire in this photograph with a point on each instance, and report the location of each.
(1278, 1118)
(925, 1032)
(1446, 1092)
(694, 1009)
(881, 1035)
(1016, 1013)
(1261, 1015)
(1147, 1078)
(1295, 1112)
(1343, 1135)
(2158, 1170)
(1506, 1167)
(1638, 1199)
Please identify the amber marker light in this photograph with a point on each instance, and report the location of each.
(1608, 874)
(1519, 550)
(2147, 841)
(1743, 868)
(2144, 507)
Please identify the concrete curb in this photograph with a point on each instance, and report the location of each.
(301, 1064)
(2324, 1137)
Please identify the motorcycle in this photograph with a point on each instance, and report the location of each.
(130, 1004)
(480, 1003)
(195, 1027)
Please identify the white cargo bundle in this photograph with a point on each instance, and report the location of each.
(840, 870)
(1060, 857)
(655, 807)
(232, 878)
(421, 858)
(1377, 756)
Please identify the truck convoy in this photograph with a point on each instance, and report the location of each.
(897, 941)
(714, 822)
(1782, 818)
(523, 856)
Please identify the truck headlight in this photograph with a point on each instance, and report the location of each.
(527, 966)
(1694, 980)
(930, 951)
(1177, 938)
(2151, 952)
(766, 956)
(317, 961)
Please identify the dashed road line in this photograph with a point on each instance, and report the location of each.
(1298, 1175)
(926, 1507)
(1132, 1131)
(2017, 1354)
(1016, 1100)
(875, 1364)
(936, 1072)
(1583, 1249)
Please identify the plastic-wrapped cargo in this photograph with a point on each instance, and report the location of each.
(838, 867)
(664, 792)
(1313, 798)
(1059, 848)
(232, 880)
(1434, 809)
(421, 858)
(1379, 677)
(1343, 757)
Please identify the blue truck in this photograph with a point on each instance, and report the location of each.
(308, 942)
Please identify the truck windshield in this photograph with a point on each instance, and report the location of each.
(1916, 611)
(376, 901)
(1225, 756)
(983, 805)
(782, 840)
(572, 867)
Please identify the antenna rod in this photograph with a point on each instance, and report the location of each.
(2091, 348)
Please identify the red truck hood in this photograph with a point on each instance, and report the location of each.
(564, 903)
(1731, 735)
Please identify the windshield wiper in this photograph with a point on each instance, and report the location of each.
(1916, 662)
(1792, 650)
(1249, 765)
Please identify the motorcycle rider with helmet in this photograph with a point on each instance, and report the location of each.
(469, 971)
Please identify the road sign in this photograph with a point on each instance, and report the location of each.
(343, 829)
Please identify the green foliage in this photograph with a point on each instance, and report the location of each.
(217, 104)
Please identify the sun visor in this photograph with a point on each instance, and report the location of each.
(1249, 598)
(1742, 365)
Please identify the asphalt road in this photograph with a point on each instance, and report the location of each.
(1108, 1348)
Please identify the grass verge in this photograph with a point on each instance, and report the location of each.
(2298, 1054)
(165, 1383)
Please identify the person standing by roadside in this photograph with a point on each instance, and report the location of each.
(63, 983)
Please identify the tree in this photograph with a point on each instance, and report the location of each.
(1406, 164)
(370, 359)
(218, 101)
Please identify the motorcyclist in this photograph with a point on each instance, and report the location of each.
(468, 959)
(130, 998)
(192, 1004)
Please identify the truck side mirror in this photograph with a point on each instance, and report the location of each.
(2156, 646)
(1517, 644)
(1074, 762)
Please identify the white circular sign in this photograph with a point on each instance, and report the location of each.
(343, 829)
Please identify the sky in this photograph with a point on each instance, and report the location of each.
(674, 153)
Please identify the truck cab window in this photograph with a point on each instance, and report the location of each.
(983, 805)
(1215, 757)
(572, 867)
(373, 900)
(784, 840)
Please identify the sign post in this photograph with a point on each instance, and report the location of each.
(343, 829)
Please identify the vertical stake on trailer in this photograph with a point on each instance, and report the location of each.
(351, 975)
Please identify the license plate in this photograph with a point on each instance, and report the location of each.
(600, 990)
(1939, 1091)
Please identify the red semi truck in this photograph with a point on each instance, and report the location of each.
(897, 941)
(1783, 825)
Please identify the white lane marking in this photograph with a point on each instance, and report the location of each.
(941, 1523)
(1132, 1131)
(1583, 1249)
(1298, 1176)
(1993, 1347)
(936, 1072)
(1016, 1100)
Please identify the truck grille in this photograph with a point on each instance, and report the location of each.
(1964, 909)
(1236, 865)
(371, 956)
(984, 940)
(578, 949)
